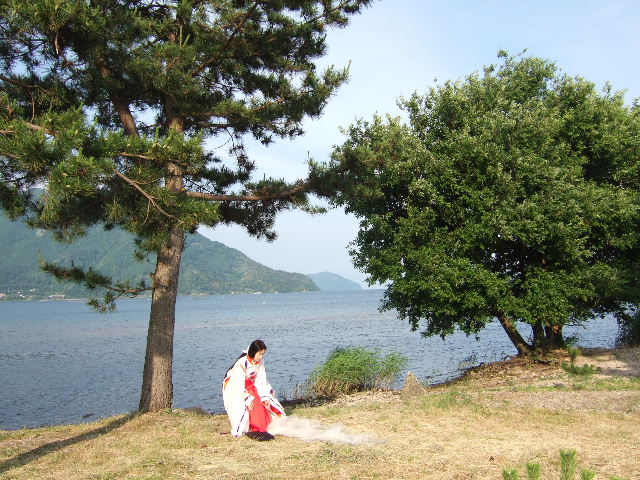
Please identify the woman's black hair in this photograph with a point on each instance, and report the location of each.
(254, 348)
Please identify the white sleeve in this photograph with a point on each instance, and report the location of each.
(236, 399)
(234, 388)
(262, 385)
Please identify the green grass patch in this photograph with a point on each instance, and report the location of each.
(586, 369)
(448, 400)
(578, 370)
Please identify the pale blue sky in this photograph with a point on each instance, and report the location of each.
(397, 47)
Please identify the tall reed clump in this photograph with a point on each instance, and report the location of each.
(355, 369)
(568, 469)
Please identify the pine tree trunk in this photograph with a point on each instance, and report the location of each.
(521, 345)
(157, 381)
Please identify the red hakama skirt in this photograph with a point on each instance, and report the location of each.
(259, 416)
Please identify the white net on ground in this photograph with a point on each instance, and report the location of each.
(312, 430)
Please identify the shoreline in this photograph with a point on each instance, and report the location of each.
(485, 373)
(199, 294)
(501, 415)
(302, 402)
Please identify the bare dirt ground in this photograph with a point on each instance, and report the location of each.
(499, 416)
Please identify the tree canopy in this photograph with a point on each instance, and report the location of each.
(132, 113)
(512, 194)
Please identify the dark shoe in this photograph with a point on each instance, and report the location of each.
(260, 436)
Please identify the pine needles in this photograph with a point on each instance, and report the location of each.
(568, 469)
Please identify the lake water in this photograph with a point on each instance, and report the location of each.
(61, 362)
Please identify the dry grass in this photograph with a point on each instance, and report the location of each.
(499, 416)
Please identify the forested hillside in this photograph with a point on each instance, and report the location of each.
(208, 266)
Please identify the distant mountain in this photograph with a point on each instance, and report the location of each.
(207, 266)
(331, 282)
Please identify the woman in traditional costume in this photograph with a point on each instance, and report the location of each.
(248, 397)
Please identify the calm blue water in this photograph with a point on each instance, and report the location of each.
(60, 362)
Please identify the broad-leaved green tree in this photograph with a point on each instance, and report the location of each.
(510, 195)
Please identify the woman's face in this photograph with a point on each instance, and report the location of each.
(259, 355)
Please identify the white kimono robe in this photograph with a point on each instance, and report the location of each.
(237, 399)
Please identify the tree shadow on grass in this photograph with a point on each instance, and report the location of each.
(624, 361)
(51, 447)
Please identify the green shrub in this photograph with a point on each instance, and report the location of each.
(355, 369)
(580, 369)
(574, 369)
(573, 354)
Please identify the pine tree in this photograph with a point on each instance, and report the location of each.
(113, 107)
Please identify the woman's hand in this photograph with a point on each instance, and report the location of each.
(250, 405)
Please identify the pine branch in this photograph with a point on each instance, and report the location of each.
(121, 105)
(304, 187)
(40, 128)
(22, 85)
(10, 155)
(136, 155)
(218, 126)
(135, 185)
(29, 89)
(326, 13)
(258, 108)
(31, 126)
(126, 117)
(92, 280)
(228, 42)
